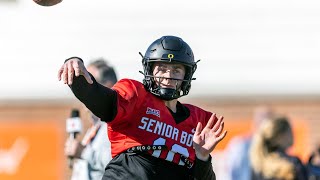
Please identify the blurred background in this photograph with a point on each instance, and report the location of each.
(252, 53)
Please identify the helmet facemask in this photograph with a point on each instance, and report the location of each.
(168, 49)
(167, 93)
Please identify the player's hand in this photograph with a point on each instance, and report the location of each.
(206, 139)
(71, 68)
(73, 148)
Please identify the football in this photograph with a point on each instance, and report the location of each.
(47, 2)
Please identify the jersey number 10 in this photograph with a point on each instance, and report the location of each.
(174, 149)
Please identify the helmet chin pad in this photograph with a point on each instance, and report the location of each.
(168, 94)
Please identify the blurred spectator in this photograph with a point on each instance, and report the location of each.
(238, 164)
(314, 165)
(268, 157)
(102, 72)
(93, 153)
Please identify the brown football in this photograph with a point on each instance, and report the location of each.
(47, 2)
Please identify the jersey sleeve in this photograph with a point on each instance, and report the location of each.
(99, 99)
(200, 115)
(207, 115)
(130, 93)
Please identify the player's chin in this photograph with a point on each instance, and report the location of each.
(169, 87)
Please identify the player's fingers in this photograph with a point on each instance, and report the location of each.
(65, 74)
(83, 71)
(60, 73)
(221, 136)
(211, 121)
(216, 126)
(88, 77)
(198, 129)
(219, 130)
(70, 72)
(76, 68)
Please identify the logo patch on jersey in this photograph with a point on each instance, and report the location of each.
(153, 111)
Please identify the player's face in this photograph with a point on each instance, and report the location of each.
(168, 75)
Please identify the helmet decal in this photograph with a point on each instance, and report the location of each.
(170, 56)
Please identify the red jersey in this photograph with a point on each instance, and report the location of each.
(144, 119)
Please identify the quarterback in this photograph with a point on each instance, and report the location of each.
(152, 134)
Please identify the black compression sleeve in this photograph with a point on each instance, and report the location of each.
(203, 170)
(100, 100)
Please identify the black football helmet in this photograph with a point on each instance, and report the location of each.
(168, 49)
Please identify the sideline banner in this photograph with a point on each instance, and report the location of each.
(31, 150)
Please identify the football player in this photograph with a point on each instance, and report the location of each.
(152, 134)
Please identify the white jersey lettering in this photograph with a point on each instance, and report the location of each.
(165, 130)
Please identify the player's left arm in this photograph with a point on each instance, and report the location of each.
(204, 141)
